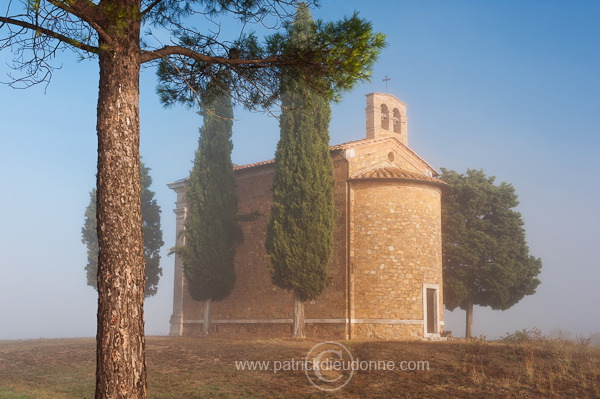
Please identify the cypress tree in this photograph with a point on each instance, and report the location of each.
(212, 230)
(150, 228)
(300, 233)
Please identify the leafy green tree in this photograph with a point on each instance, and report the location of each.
(211, 229)
(111, 31)
(151, 230)
(486, 260)
(300, 235)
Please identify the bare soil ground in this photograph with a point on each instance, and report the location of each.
(189, 368)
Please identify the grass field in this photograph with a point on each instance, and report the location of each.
(189, 368)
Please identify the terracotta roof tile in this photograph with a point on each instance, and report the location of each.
(252, 165)
(341, 146)
(357, 142)
(349, 145)
(331, 148)
(395, 173)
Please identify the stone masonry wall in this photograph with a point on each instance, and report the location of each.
(386, 152)
(395, 249)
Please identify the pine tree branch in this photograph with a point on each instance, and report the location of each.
(50, 33)
(87, 12)
(166, 51)
(84, 9)
(194, 91)
(151, 6)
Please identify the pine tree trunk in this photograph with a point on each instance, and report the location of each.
(120, 355)
(469, 324)
(298, 317)
(206, 324)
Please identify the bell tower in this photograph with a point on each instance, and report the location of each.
(386, 117)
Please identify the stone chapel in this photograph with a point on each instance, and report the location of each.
(386, 269)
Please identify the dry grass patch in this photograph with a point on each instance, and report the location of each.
(189, 368)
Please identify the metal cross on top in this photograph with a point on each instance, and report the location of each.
(386, 79)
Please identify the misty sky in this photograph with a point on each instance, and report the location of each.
(511, 87)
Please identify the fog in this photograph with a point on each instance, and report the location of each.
(509, 87)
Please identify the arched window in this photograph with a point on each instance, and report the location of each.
(397, 121)
(385, 117)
